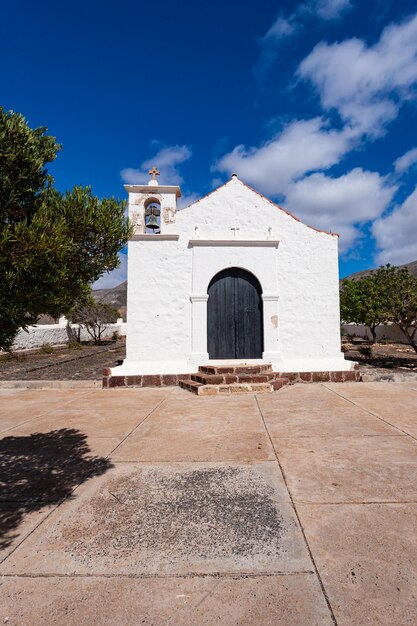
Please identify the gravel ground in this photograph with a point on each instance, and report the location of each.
(394, 362)
(63, 363)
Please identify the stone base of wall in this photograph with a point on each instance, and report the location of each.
(144, 380)
(323, 377)
(169, 380)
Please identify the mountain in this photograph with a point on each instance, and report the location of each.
(412, 268)
(116, 296)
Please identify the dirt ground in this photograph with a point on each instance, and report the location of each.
(381, 361)
(384, 362)
(63, 363)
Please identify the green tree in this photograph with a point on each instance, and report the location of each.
(362, 301)
(52, 245)
(95, 318)
(399, 291)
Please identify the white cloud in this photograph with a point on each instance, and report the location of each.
(115, 277)
(331, 9)
(407, 160)
(302, 146)
(282, 27)
(396, 233)
(291, 25)
(320, 9)
(342, 204)
(366, 84)
(167, 160)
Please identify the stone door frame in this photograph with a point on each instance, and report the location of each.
(209, 257)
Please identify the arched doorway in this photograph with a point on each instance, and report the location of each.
(234, 316)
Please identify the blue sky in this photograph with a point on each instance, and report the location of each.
(312, 103)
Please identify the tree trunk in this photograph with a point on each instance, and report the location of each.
(411, 336)
(72, 337)
(373, 333)
(413, 340)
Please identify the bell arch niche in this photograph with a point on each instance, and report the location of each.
(152, 216)
(234, 315)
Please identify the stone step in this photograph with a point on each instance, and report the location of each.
(235, 369)
(228, 379)
(190, 385)
(202, 389)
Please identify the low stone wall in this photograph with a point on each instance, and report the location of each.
(56, 334)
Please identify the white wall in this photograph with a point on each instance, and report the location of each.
(56, 334)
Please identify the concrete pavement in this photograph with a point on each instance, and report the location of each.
(153, 506)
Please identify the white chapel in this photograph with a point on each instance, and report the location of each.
(232, 278)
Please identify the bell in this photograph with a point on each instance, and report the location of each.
(152, 222)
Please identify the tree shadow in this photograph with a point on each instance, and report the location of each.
(39, 470)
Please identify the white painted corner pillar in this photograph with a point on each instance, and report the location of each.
(199, 328)
(271, 351)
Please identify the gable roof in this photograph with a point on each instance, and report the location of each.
(274, 204)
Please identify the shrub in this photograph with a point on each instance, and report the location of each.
(95, 317)
(46, 348)
(365, 351)
(74, 345)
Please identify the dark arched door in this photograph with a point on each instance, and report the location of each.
(234, 316)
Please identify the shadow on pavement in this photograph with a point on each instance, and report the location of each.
(39, 470)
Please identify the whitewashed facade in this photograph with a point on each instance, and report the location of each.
(232, 227)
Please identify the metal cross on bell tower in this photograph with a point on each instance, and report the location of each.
(154, 172)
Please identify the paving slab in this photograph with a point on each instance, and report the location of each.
(370, 389)
(366, 556)
(294, 600)
(314, 410)
(17, 521)
(204, 429)
(98, 414)
(226, 407)
(18, 406)
(189, 520)
(343, 469)
(197, 440)
(131, 398)
(209, 410)
(396, 403)
(93, 425)
(170, 519)
(46, 467)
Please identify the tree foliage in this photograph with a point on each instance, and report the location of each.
(388, 295)
(95, 318)
(362, 302)
(52, 245)
(399, 289)
(24, 153)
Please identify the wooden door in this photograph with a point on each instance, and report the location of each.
(234, 316)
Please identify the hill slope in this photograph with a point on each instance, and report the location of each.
(116, 296)
(412, 268)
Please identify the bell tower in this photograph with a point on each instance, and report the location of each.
(152, 207)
